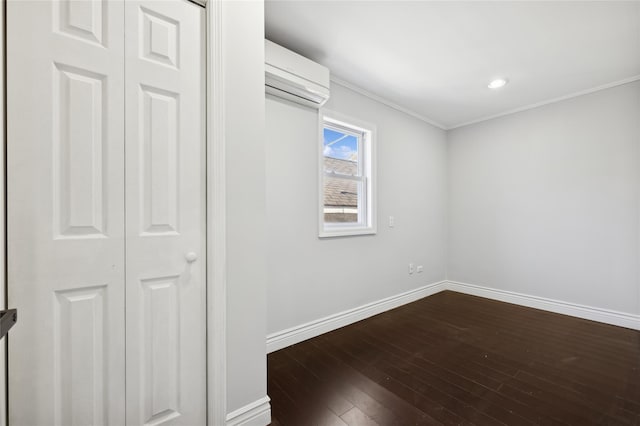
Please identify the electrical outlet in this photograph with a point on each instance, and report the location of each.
(411, 268)
(419, 268)
(392, 222)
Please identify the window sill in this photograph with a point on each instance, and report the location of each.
(346, 232)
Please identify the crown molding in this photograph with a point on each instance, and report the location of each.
(421, 117)
(386, 102)
(548, 101)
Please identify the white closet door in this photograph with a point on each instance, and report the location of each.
(165, 213)
(66, 212)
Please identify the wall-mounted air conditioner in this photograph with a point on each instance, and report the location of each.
(294, 77)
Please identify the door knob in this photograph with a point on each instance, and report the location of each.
(191, 257)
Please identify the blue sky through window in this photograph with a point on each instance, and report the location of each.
(339, 145)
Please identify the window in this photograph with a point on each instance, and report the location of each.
(347, 180)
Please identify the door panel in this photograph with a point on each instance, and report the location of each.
(66, 212)
(165, 214)
(78, 150)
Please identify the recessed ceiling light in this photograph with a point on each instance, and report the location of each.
(497, 83)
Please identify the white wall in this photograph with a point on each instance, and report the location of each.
(546, 202)
(243, 58)
(310, 278)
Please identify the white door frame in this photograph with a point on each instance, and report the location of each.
(3, 283)
(216, 219)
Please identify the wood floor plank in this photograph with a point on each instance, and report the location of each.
(455, 374)
(355, 417)
(325, 365)
(459, 359)
(458, 375)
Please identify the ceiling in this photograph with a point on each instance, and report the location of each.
(435, 59)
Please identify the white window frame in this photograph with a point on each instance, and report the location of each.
(367, 169)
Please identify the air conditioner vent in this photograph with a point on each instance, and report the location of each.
(294, 77)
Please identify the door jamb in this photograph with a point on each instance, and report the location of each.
(4, 395)
(216, 220)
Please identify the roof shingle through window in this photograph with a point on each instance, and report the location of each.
(340, 192)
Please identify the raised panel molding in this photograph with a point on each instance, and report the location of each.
(159, 161)
(85, 20)
(80, 356)
(160, 349)
(79, 153)
(160, 38)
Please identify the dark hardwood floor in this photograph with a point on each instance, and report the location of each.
(458, 359)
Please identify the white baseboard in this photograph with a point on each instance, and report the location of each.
(257, 413)
(573, 309)
(291, 336)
